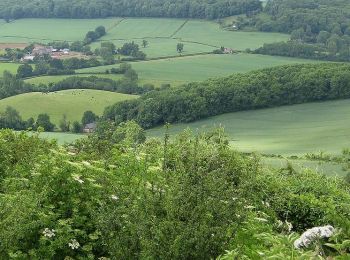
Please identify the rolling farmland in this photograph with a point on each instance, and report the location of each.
(187, 69)
(72, 103)
(289, 130)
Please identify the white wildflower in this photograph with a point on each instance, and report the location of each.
(265, 203)
(114, 197)
(86, 163)
(49, 233)
(313, 234)
(261, 219)
(74, 244)
(249, 207)
(279, 223)
(289, 226)
(77, 178)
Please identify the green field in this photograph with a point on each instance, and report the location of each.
(198, 68)
(137, 28)
(210, 33)
(328, 168)
(54, 79)
(11, 67)
(72, 103)
(289, 130)
(62, 138)
(163, 47)
(45, 30)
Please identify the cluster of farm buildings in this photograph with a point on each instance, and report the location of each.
(45, 50)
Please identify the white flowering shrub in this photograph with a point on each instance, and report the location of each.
(189, 197)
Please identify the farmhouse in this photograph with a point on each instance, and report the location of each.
(89, 128)
(42, 50)
(28, 57)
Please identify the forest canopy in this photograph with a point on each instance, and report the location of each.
(15, 9)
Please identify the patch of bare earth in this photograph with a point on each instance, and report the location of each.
(4, 46)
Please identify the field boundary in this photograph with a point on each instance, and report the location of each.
(115, 25)
(178, 29)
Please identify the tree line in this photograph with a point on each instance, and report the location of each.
(210, 9)
(321, 23)
(284, 85)
(302, 50)
(12, 85)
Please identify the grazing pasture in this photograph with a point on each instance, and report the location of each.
(198, 68)
(288, 130)
(54, 79)
(72, 103)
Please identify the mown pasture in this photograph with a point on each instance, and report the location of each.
(177, 71)
(289, 130)
(72, 103)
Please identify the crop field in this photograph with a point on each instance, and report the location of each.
(289, 130)
(45, 30)
(197, 68)
(54, 79)
(72, 103)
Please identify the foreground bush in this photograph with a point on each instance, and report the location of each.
(189, 197)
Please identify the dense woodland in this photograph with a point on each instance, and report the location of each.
(116, 195)
(284, 85)
(15, 9)
(322, 23)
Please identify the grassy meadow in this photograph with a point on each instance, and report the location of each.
(197, 68)
(57, 78)
(162, 47)
(46, 30)
(72, 103)
(210, 33)
(289, 130)
(11, 67)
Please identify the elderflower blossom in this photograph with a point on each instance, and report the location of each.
(114, 197)
(312, 235)
(86, 163)
(74, 244)
(289, 226)
(49, 233)
(77, 178)
(261, 219)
